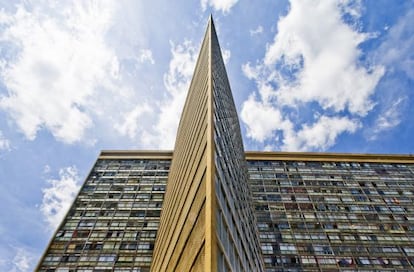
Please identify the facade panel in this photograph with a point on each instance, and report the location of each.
(182, 234)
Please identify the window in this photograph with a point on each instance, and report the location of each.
(344, 262)
(409, 251)
(287, 248)
(267, 248)
(364, 261)
(308, 260)
(107, 258)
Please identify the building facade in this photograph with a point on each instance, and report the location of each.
(113, 222)
(315, 212)
(211, 206)
(334, 212)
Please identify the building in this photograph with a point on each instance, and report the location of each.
(211, 206)
(334, 212)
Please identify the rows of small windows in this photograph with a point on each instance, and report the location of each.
(371, 208)
(229, 228)
(317, 189)
(349, 212)
(324, 262)
(333, 246)
(350, 166)
(107, 259)
(241, 223)
(287, 255)
(79, 245)
(95, 269)
(329, 198)
(392, 186)
(122, 177)
(370, 212)
(106, 229)
(113, 221)
(313, 231)
(122, 198)
(231, 183)
(145, 185)
(333, 214)
(132, 165)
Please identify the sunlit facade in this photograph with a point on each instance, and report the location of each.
(211, 206)
(112, 224)
(315, 212)
(334, 212)
(207, 221)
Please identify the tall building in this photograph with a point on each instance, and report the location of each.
(207, 223)
(211, 206)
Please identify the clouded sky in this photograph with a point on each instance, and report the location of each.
(78, 77)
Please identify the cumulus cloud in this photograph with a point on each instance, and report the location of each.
(256, 116)
(176, 81)
(131, 125)
(222, 5)
(313, 64)
(322, 51)
(56, 62)
(59, 195)
(320, 135)
(64, 73)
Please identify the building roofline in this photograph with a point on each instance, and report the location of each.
(270, 155)
(136, 154)
(340, 157)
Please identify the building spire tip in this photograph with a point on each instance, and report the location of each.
(210, 20)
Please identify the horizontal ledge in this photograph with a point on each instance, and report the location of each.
(136, 154)
(270, 155)
(329, 157)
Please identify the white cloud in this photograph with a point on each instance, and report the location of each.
(315, 63)
(396, 52)
(22, 261)
(17, 258)
(4, 143)
(61, 60)
(131, 125)
(260, 126)
(146, 56)
(226, 55)
(223, 5)
(351, 7)
(256, 31)
(320, 135)
(176, 81)
(46, 169)
(388, 119)
(60, 194)
(314, 40)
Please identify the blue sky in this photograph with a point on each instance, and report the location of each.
(78, 77)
